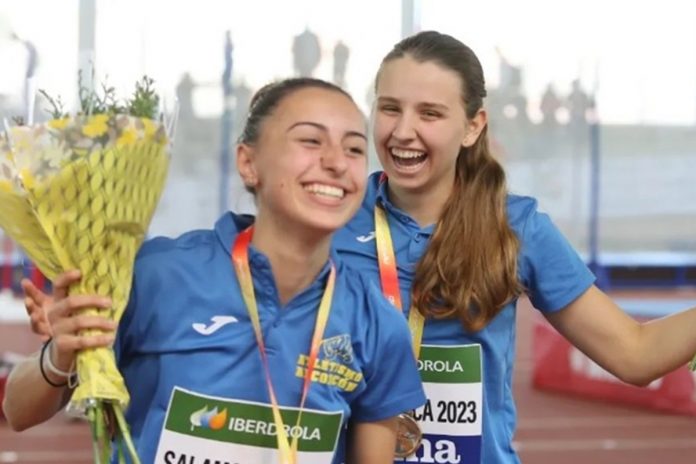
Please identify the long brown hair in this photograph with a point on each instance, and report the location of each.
(469, 270)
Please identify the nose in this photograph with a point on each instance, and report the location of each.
(404, 128)
(334, 159)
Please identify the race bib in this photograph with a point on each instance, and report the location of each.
(211, 430)
(451, 419)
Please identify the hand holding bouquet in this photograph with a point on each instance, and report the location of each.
(78, 192)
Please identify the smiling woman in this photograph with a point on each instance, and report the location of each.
(255, 325)
(454, 251)
(309, 167)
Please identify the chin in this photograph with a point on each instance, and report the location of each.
(329, 218)
(331, 225)
(406, 181)
(323, 224)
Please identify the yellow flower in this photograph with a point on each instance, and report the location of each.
(59, 124)
(149, 126)
(96, 127)
(5, 186)
(128, 137)
(27, 177)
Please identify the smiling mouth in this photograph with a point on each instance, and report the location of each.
(408, 159)
(323, 190)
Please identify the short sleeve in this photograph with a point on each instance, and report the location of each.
(552, 271)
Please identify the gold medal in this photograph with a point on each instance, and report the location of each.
(408, 436)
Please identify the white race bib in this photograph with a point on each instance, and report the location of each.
(451, 419)
(207, 430)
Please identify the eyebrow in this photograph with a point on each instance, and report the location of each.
(323, 128)
(439, 106)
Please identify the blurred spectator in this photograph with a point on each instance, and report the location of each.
(578, 103)
(306, 53)
(184, 93)
(340, 56)
(550, 104)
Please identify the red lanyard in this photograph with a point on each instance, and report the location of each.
(240, 261)
(390, 277)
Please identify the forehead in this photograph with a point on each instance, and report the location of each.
(406, 79)
(320, 105)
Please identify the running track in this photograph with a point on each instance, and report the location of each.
(552, 429)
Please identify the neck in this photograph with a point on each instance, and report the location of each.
(296, 258)
(424, 205)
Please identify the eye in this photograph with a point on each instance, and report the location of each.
(389, 109)
(356, 150)
(431, 114)
(310, 141)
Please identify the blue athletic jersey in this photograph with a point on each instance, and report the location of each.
(551, 271)
(187, 327)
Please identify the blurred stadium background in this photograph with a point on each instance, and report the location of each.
(592, 108)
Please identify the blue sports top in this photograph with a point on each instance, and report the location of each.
(553, 275)
(186, 345)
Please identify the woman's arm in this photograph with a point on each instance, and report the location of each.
(372, 442)
(30, 398)
(635, 352)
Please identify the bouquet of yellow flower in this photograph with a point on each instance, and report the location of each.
(78, 192)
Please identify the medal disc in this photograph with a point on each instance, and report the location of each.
(408, 436)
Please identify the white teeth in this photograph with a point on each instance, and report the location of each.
(406, 154)
(326, 190)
